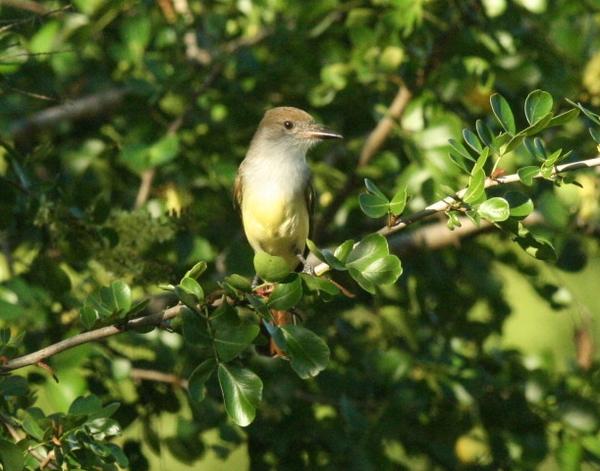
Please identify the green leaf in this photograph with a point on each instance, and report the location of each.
(191, 286)
(379, 272)
(527, 174)
(88, 316)
(109, 301)
(476, 188)
(494, 209)
(460, 150)
(196, 271)
(5, 335)
(286, 295)
(373, 205)
(239, 282)
(515, 142)
(343, 250)
(270, 267)
(138, 307)
(195, 330)
(374, 189)
(32, 427)
(163, 151)
(315, 283)
(538, 126)
(563, 118)
(372, 246)
(11, 456)
(308, 353)
(87, 405)
(537, 105)
(595, 133)
(398, 202)
(481, 160)
(590, 114)
(198, 379)
(333, 261)
(471, 139)
(484, 132)
(503, 113)
(520, 204)
(314, 249)
(242, 392)
(459, 162)
(230, 341)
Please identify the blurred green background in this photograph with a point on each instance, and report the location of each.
(122, 125)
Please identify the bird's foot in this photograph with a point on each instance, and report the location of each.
(306, 267)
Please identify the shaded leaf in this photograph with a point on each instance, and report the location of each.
(242, 392)
(286, 295)
(308, 353)
(398, 202)
(198, 379)
(230, 341)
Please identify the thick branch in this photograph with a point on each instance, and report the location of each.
(83, 107)
(158, 376)
(380, 133)
(437, 236)
(92, 335)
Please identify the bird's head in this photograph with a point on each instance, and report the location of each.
(292, 127)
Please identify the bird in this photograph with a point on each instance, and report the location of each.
(273, 185)
(273, 190)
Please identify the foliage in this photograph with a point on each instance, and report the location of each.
(124, 209)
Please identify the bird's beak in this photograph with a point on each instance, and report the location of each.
(316, 131)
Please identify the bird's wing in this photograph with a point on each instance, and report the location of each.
(238, 188)
(310, 198)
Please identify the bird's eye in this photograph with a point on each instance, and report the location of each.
(288, 125)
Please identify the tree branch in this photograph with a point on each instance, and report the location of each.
(429, 236)
(83, 107)
(449, 201)
(90, 336)
(437, 236)
(158, 376)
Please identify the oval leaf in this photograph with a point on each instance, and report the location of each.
(230, 341)
(398, 202)
(270, 267)
(374, 189)
(198, 379)
(373, 206)
(471, 139)
(495, 209)
(308, 353)
(503, 113)
(475, 190)
(242, 392)
(286, 295)
(520, 204)
(537, 105)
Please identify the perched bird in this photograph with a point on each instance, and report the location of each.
(273, 187)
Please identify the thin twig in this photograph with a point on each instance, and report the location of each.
(145, 187)
(93, 335)
(448, 202)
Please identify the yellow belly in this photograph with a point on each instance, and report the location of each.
(276, 224)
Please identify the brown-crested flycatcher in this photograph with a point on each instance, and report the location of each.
(273, 187)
